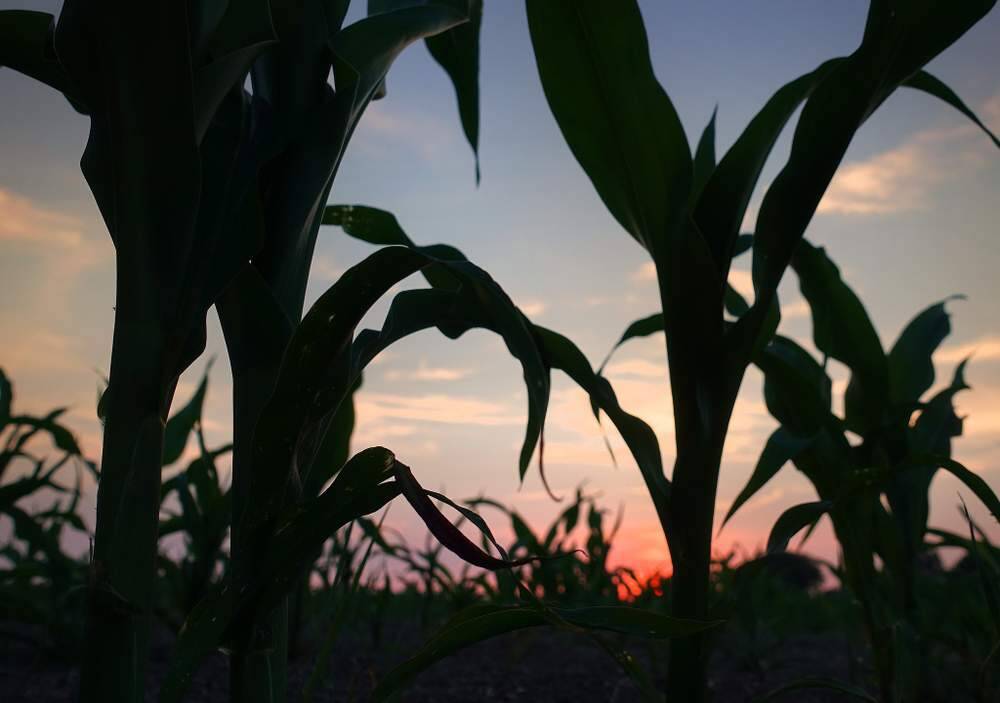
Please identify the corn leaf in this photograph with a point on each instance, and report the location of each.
(782, 446)
(793, 520)
(911, 368)
(843, 331)
(593, 61)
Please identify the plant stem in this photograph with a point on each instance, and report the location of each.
(125, 541)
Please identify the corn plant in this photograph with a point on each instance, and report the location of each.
(39, 581)
(211, 194)
(686, 211)
(443, 306)
(904, 440)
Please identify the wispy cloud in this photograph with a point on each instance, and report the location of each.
(645, 273)
(641, 368)
(983, 349)
(21, 220)
(428, 373)
(533, 308)
(437, 408)
(902, 179)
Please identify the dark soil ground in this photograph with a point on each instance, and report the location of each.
(536, 665)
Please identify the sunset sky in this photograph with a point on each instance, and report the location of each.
(912, 217)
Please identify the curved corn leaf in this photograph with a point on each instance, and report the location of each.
(560, 353)
(792, 521)
(922, 80)
(366, 49)
(782, 446)
(316, 372)
(483, 622)
(744, 243)
(911, 368)
(593, 61)
(442, 528)
(843, 331)
(973, 481)
(294, 544)
(26, 46)
(643, 327)
(818, 682)
(382, 228)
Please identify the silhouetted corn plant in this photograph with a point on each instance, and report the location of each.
(904, 441)
(39, 581)
(211, 194)
(686, 211)
(443, 306)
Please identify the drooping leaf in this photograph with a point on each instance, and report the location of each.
(593, 61)
(973, 481)
(26, 47)
(922, 80)
(782, 446)
(790, 522)
(643, 327)
(937, 422)
(457, 52)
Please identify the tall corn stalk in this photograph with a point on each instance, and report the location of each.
(686, 211)
(196, 177)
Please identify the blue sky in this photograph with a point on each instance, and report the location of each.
(912, 218)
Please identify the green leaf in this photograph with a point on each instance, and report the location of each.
(61, 437)
(842, 330)
(899, 39)
(366, 49)
(796, 388)
(704, 158)
(560, 353)
(457, 52)
(182, 423)
(782, 446)
(793, 520)
(26, 46)
(922, 80)
(818, 682)
(937, 422)
(973, 481)
(382, 228)
(316, 372)
(723, 201)
(911, 368)
(593, 61)
(643, 327)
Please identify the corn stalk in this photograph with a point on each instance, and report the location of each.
(686, 211)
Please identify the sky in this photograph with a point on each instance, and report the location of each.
(911, 218)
